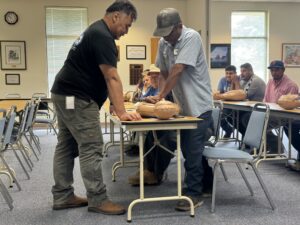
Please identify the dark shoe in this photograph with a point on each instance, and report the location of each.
(107, 207)
(132, 150)
(73, 202)
(206, 193)
(184, 205)
(149, 179)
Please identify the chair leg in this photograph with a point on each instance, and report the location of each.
(245, 179)
(26, 152)
(21, 163)
(263, 186)
(55, 131)
(29, 143)
(6, 195)
(11, 172)
(35, 140)
(223, 172)
(213, 197)
(25, 156)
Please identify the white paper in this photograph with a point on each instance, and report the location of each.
(70, 102)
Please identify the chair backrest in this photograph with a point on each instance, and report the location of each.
(257, 126)
(43, 105)
(10, 121)
(216, 117)
(2, 124)
(12, 95)
(31, 115)
(24, 118)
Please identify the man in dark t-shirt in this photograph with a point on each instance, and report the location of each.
(87, 78)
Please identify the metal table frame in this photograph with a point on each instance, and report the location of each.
(152, 125)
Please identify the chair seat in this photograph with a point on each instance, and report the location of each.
(227, 154)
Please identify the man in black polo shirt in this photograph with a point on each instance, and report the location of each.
(88, 77)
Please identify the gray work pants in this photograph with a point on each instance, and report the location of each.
(79, 135)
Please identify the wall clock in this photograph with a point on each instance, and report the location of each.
(11, 17)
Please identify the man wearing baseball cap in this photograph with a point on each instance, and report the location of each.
(182, 63)
(279, 85)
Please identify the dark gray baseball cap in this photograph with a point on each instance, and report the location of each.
(166, 20)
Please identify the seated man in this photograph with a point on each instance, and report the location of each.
(254, 88)
(279, 85)
(226, 84)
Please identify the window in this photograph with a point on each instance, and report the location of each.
(63, 27)
(249, 40)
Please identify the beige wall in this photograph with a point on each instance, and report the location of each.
(283, 18)
(31, 28)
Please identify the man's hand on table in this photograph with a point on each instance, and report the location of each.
(132, 116)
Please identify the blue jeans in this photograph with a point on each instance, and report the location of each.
(199, 174)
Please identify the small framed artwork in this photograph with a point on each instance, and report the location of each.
(135, 51)
(12, 79)
(13, 55)
(291, 54)
(220, 55)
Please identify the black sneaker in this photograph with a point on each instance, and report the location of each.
(184, 205)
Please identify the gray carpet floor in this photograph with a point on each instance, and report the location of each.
(234, 205)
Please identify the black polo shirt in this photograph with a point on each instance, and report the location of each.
(80, 75)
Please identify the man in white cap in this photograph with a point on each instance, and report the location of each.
(182, 63)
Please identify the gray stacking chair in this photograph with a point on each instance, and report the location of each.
(28, 129)
(50, 122)
(43, 109)
(3, 188)
(255, 138)
(5, 142)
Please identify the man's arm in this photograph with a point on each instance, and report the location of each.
(115, 92)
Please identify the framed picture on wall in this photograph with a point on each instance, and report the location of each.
(291, 54)
(135, 51)
(13, 55)
(12, 79)
(220, 55)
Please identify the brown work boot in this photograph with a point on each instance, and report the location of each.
(149, 179)
(73, 202)
(184, 205)
(107, 207)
